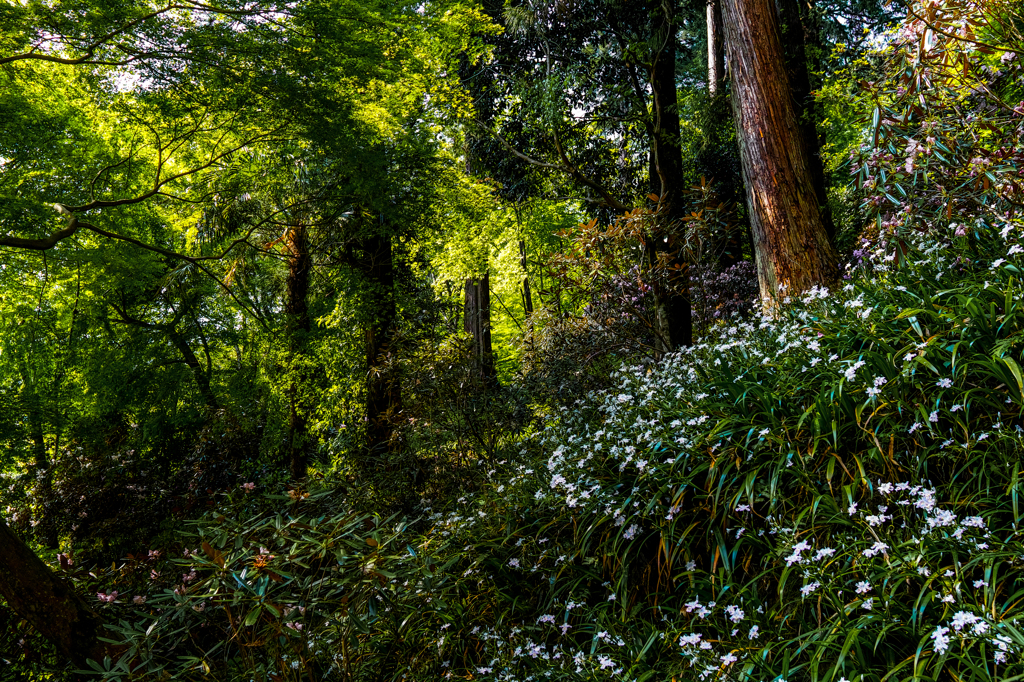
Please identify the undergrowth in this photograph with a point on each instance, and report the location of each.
(827, 494)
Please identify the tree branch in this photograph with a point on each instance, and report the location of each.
(45, 243)
(90, 49)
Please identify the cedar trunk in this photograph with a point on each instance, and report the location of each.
(477, 323)
(791, 244)
(716, 47)
(673, 316)
(34, 592)
(383, 388)
(796, 34)
(300, 265)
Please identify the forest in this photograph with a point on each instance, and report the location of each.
(511, 340)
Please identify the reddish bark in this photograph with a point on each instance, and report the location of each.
(791, 243)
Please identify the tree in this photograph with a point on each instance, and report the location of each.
(716, 47)
(36, 593)
(792, 246)
(96, 168)
(598, 83)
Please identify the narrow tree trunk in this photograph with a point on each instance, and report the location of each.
(477, 323)
(300, 266)
(794, 33)
(674, 320)
(192, 362)
(527, 295)
(791, 244)
(716, 47)
(383, 388)
(37, 594)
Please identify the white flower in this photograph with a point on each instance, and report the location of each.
(941, 639)
(944, 383)
(807, 589)
(753, 634)
(823, 552)
(963, 618)
(868, 604)
(875, 549)
(735, 613)
(863, 586)
(691, 639)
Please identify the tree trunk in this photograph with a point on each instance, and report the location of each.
(37, 594)
(716, 47)
(673, 316)
(791, 244)
(383, 388)
(794, 33)
(477, 323)
(300, 266)
(192, 362)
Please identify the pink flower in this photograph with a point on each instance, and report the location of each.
(107, 598)
(248, 487)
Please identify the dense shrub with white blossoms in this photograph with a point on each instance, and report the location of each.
(732, 496)
(832, 491)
